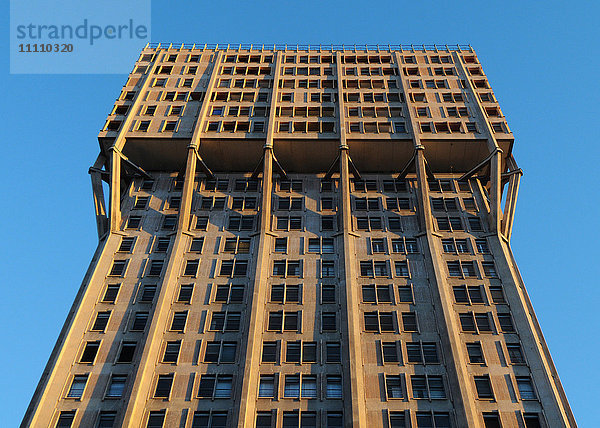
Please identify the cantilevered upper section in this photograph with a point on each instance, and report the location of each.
(380, 101)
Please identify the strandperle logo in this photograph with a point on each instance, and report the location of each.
(85, 31)
(77, 36)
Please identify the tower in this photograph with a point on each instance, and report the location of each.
(303, 237)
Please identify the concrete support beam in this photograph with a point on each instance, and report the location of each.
(355, 405)
(257, 301)
(115, 190)
(96, 173)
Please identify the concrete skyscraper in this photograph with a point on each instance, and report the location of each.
(303, 236)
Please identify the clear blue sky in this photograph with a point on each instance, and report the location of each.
(541, 58)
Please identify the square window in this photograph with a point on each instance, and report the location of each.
(77, 386)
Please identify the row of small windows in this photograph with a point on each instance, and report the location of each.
(297, 185)
(302, 419)
(327, 223)
(442, 185)
(319, 127)
(307, 71)
(307, 351)
(375, 84)
(245, 83)
(293, 294)
(240, 97)
(246, 71)
(319, 97)
(310, 84)
(209, 185)
(305, 386)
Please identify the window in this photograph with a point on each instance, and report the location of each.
(483, 387)
(116, 386)
(237, 245)
(171, 352)
(292, 386)
(127, 352)
(430, 387)
(377, 245)
(229, 293)
(169, 222)
(327, 269)
(280, 245)
(328, 293)
(449, 223)
(333, 386)
(395, 223)
(376, 294)
(389, 352)
(201, 222)
(369, 223)
(269, 352)
(506, 323)
(210, 419)
(156, 267)
(286, 293)
(286, 268)
(110, 295)
(288, 223)
(371, 268)
(107, 419)
(401, 268)
(515, 353)
(321, 245)
(266, 386)
(234, 268)
(482, 246)
(65, 419)
(101, 321)
(475, 224)
(491, 420)
(89, 353)
(333, 352)
(437, 420)
(179, 321)
(284, 321)
(393, 386)
(335, 420)
(532, 420)
(409, 321)
(468, 295)
(329, 321)
(327, 222)
(148, 293)
(475, 322)
(191, 267)
(215, 386)
(475, 353)
(156, 419)
(162, 244)
(461, 269)
(220, 352)
(126, 245)
(77, 386)
(139, 321)
(196, 245)
(397, 420)
(225, 321)
(489, 269)
(163, 386)
(118, 268)
(422, 353)
(380, 321)
(405, 294)
(264, 420)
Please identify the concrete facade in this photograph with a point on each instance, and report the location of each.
(303, 237)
